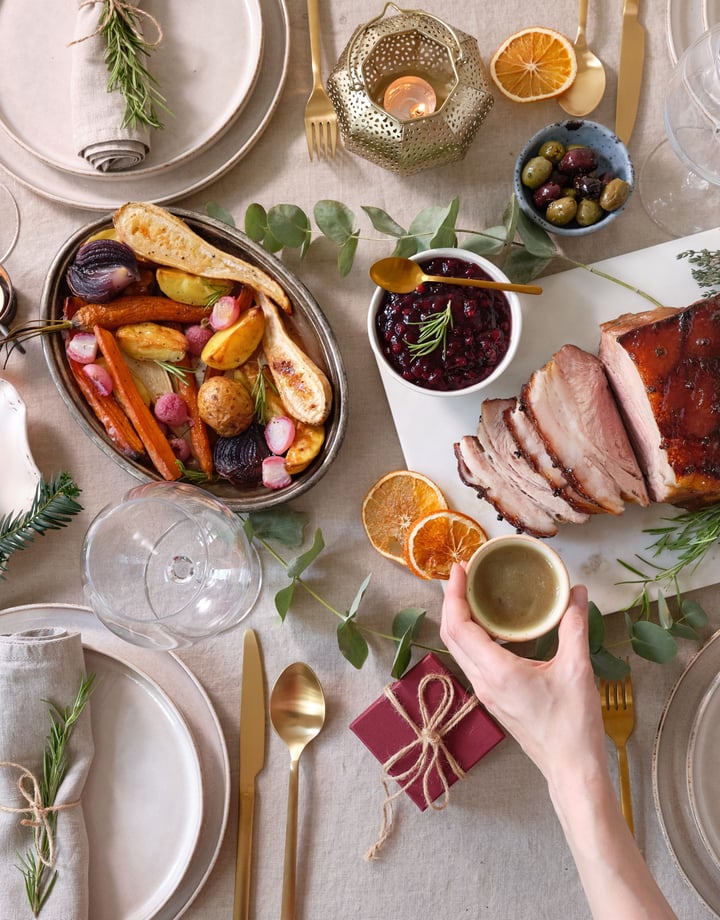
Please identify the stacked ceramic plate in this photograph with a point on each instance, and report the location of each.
(686, 779)
(221, 67)
(157, 797)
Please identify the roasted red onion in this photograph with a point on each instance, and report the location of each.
(101, 270)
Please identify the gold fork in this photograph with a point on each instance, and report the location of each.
(320, 118)
(618, 712)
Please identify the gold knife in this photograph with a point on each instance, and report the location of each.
(632, 57)
(252, 760)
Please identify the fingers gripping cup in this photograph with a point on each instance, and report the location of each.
(169, 565)
(517, 587)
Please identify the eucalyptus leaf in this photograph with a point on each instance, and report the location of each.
(652, 642)
(346, 254)
(521, 266)
(683, 631)
(693, 614)
(664, 615)
(407, 246)
(358, 597)
(445, 234)
(403, 654)
(290, 225)
(536, 240)
(283, 599)
(299, 564)
(410, 618)
(596, 627)
(217, 212)
(429, 222)
(511, 217)
(608, 666)
(489, 242)
(256, 224)
(352, 643)
(335, 220)
(382, 222)
(282, 524)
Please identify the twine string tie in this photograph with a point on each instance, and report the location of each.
(39, 814)
(429, 741)
(129, 13)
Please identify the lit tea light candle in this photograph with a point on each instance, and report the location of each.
(409, 97)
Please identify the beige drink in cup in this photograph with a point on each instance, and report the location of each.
(517, 587)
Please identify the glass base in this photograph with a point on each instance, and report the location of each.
(676, 199)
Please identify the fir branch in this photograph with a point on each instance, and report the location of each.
(33, 865)
(126, 51)
(52, 508)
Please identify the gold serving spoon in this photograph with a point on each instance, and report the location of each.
(400, 276)
(297, 712)
(588, 87)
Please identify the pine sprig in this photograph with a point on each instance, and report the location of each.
(53, 506)
(125, 57)
(38, 884)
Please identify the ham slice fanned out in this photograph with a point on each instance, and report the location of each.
(571, 405)
(664, 366)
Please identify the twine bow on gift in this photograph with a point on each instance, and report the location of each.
(430, 745)
(29, 788)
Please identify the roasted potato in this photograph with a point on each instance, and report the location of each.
(225, 406)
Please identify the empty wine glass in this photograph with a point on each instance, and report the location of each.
(168, 565)
(679, 181)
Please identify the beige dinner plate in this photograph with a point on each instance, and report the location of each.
(685, 745)
(96, 192)
(199, 71)
(158, 743)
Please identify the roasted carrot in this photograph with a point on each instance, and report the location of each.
(141, 309)
(156, 444)
(199, 437)
(110, 415)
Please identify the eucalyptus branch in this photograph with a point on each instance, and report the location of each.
(53, 506)
(36, 864)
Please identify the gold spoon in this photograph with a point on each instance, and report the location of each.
(588, 86)
(400, 276)
(297, 712)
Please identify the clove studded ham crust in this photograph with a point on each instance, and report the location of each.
(664, 368)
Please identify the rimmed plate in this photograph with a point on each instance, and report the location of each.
(204, 79)
(703, 776)
(20, 475)
(673, 756)
(686, 20)
(157, 693)
(94, 192)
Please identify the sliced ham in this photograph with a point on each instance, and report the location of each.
(664, 367)
(573, 409)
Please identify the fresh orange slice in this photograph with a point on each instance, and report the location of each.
(534, 64)
(391, 506)
(437, 540)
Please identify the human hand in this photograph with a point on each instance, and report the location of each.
(550, 707)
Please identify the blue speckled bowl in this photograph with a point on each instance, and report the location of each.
(612, 157)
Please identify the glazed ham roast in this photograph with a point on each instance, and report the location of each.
(639, 422)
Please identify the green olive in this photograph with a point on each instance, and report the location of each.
(614, 195)
(536, 172)
(570, 192)
(589, 212)
(553, 151)
(561, 211)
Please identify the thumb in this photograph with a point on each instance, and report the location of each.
(573, 631)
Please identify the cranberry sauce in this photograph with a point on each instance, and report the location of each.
(476, 339)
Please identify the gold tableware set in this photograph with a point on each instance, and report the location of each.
(297, 713)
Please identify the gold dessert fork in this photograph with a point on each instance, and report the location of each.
(320, 118)
(618, 713)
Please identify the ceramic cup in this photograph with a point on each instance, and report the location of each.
(517, 587)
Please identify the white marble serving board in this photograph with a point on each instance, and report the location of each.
(570, 309)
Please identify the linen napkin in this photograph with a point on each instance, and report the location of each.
(97, 115)
(36, 666)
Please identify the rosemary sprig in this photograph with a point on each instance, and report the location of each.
(38, 885)
(707, 270)
(53, 506)
(433, 333)
(174, 370)
(126, 51)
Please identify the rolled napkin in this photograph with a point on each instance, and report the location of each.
(97, 115)
(37, 667)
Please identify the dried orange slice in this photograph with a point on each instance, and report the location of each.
(534, 64)
(437, 540)
(391, 506)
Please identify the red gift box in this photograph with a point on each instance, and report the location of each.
(432, 705)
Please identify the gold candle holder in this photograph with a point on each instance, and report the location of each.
(443, 88)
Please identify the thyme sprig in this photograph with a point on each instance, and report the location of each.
(707, 268)
(33, 864)
(125, 59)
(53, 506)
(433, 333)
